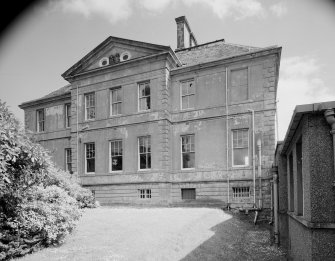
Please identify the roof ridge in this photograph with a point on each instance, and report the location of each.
(241, 45)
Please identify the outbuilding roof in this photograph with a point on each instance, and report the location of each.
(299, 111)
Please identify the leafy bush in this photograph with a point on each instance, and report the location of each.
(39, 204)
(50, 212)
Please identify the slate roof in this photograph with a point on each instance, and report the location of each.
(211, 51)
(61, 91)
(202, 53)
(65, 89)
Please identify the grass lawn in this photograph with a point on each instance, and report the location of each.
(156, 234)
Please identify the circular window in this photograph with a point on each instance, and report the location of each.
(125, 56)
(104, 61)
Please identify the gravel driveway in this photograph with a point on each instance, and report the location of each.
(162, 234)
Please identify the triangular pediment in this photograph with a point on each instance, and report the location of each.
(114, 51)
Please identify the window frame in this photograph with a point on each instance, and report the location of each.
(139, 97)
(38, 129)
(144, 193)
(187, 95)
(67, 116)
(181, 150)
(232, 146)
(139, 153)
(241, 193)
(85, 104)
(110, 155)
(111, 103)
(89, 143)
(66, 159)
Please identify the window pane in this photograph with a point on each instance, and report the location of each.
(143, 161)
(183, 88)
(191, 99)
(147, 90)
(119, 95)
(141, 91)
(191, 88)
(90, 165)
(149, 160)
(148, 103)
(116, 163)
(184, 102)
(145, 103)
(241, 157)
(188, 160)
(118, 105)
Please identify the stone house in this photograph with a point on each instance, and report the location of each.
(306, 184)
(141, 123)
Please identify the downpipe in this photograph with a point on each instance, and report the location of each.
(253, 153)
(330, 117)
(260, 199)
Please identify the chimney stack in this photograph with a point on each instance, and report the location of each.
(185, 37)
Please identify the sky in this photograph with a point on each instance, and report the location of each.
(49, 36)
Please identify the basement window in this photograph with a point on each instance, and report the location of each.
(241, 192)
(188, 193)
(144, 193)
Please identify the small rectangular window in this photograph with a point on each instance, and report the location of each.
(90, 106)
(240, 147)
(300, 182)
(291, 183)
(67, 115)
(144, 193)
(144, 96)
(115, 101)
(187, 94)
(188, 151)
(40, 116)
(188, 193)
(90, 157)
(68, 160)
(116, 155)
(144, 151)
(241, 192)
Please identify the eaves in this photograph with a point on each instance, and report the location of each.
(48, 100)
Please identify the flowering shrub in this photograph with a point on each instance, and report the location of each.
(39, 204)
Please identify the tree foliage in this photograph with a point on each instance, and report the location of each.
(39, 204)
